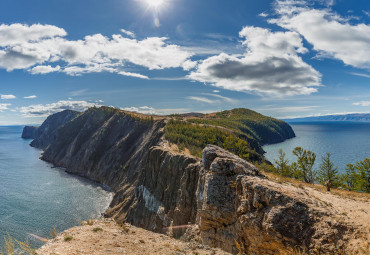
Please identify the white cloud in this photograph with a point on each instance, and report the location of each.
(137, 75)
(202, 99)
(6, 97)
(129, 33)
(4, 107)
(210, 98)
(17, 34)
(361, 75)
(362, 103)
(289, 109)
(222, 98)
(271, 65)
(216, 91)
(154, 111)
(44, 69)
(330, 34)
(30, 97)
(141, 109)
(41, 110)
(37, 47)
(263, 15)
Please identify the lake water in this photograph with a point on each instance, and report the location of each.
(34, 196)
(348, 142)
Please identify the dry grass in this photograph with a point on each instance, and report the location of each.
(9, 244)
(24, 247)
(299, 184)
(240, 247)
(54, 233)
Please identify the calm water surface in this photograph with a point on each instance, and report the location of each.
(348, 142)
(34, 197)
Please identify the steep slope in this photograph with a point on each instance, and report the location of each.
(45, 134)
(225, 197)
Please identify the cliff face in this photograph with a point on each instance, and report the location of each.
(30, 132)
(237, 203)
(225, 198)
(46, 132)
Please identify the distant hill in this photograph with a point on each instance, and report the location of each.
(361, 117)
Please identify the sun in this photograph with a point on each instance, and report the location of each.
(155, 3)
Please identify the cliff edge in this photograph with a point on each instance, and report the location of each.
(220, 199)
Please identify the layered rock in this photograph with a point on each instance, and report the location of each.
(238, 205)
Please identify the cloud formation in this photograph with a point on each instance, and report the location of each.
(362, 103)
(330, 34)
(7, 97)
(210, 98)
(154, 111)
(43, 49)
(4, 107)
(201, 99)
(30, 97)
(271, 65)
(44, 69)
(43, 110)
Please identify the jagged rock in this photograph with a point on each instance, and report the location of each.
(237, 204)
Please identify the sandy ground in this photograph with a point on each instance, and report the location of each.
(106, 237)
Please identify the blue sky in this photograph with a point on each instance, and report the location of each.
(282, 58)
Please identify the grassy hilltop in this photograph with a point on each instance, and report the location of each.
(241, 131)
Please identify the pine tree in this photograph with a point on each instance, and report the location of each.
(282, 164)
(327, 171)
(304, 166)
(363, 175)
(350, 177)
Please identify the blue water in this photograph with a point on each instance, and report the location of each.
(348, 142)
(34, 196)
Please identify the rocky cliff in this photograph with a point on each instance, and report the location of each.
(225, 200)
(45, 134)
(30, 132)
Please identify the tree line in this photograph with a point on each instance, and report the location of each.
(356, 176)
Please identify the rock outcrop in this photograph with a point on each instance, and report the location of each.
(225, 199)
(237, 204)
(30, 132)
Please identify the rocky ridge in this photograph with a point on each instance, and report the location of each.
(224, 199)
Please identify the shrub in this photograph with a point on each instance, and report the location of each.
(68, 238)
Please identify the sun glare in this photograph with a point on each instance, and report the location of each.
(155, 3)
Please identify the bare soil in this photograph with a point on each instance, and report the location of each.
(107, 237)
